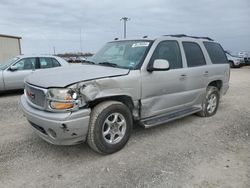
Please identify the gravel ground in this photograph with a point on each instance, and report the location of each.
(189, 152)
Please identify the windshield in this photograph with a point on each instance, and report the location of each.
(122, 54)
(7, 63)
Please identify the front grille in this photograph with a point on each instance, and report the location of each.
(35, 95)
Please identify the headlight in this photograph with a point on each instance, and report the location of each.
(62, 99)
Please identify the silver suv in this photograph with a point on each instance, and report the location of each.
(148, 81)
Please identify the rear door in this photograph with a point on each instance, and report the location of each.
(219, 69)
(15, 79)
(48, 62)
(196, 72)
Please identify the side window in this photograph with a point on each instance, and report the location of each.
(194, 55)
(170, 51)
(55, 63)
(215, 52)
(46, 62)
(26, 64)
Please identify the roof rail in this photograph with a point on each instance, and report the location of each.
(183, 35)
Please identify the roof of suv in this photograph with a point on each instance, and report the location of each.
(195, 37)
(35, 55)
(175, 36)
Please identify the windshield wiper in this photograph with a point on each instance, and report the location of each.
(106, 63)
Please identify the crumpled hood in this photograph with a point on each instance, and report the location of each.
(65, 76)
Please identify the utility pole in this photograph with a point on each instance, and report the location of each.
(125, 19)
(54, 50)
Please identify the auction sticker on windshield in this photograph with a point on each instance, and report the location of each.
(140, 44)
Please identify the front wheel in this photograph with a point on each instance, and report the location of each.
(210, 103)
(231, 64)
(110, 127)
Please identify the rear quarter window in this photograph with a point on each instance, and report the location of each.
(55, 63)
(216, 53)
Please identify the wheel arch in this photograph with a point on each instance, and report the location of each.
(216, 83)
(125, 99)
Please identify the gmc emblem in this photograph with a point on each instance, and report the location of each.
(30, 94)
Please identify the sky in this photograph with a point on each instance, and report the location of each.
(44, 24)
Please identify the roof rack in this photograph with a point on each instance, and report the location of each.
(183, 35)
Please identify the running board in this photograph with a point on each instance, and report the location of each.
(160, 119)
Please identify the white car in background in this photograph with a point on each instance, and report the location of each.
(246, 56)
(235, 61)
(12, 73)
(243, 54)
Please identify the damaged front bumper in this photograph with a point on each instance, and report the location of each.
(65, 128)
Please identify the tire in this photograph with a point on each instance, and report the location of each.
(212, 98)
(231, 64)
(107, 131)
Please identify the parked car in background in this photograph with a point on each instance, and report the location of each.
(243, 54)
(76, 59)
(66, 59)
(12, 73)
(246, 56)
(235, 61)
(151, 81)
(80, 59)
(72, 59)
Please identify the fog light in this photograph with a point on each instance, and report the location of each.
(51, 133)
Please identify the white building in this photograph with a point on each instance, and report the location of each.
(10, 47)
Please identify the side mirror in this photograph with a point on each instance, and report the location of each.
(13, 68)
(159, 65)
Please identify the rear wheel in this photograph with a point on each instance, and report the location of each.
(110, 127)
(210, 103)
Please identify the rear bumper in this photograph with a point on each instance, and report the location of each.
(65, 128)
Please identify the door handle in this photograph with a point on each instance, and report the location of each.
(205, 73)
(183, 77)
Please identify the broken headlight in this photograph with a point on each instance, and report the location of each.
(73, 97)
(62, 99)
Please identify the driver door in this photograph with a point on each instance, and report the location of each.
(14, 79)
(163, 91)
